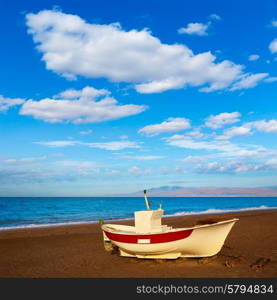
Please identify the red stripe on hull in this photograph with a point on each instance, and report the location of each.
(154, 238)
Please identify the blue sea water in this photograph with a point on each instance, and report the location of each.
(23, 212)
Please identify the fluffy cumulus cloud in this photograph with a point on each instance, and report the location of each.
(6, 103)
(170, 125)
(235, 131)
(195, 29)
(264, 126)
(200, 29)
(219, 154)
(187, 142)
(79, 106)
(70, 47)
(213, 153)
(196, 134)
(222, 119)
(220, 146)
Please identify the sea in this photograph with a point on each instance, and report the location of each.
(30, 212)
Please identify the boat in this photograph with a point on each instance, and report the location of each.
(150, 239)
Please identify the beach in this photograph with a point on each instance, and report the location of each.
(250, 250)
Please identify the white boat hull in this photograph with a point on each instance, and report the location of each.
(198, 241)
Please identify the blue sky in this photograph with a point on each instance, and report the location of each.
(118, 96)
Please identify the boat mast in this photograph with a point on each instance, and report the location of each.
(146, 201)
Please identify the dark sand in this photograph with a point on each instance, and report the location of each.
(77, 251)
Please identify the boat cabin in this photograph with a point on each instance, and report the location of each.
(149, 221)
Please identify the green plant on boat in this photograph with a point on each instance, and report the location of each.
(107, 243)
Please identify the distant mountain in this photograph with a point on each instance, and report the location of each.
(166, 188)
(178, 191)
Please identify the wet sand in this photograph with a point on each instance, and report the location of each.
(77, 251)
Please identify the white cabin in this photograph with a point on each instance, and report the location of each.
(149, 221)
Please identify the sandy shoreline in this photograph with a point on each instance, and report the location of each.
(77, 251)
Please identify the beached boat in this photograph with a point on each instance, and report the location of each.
(150, 239)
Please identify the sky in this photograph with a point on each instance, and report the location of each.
(112, 97)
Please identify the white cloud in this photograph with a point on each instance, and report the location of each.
(115, 145)
(123, 137)
(244, 153)
(222, 119)
(256, 152)
(147, 157)
(236, 167)
(138, 171)
(86, 132)
(135, 171)
(27, 160)
(271, 79)
(170, 125)
(234, 131)
(71, 47)
(253, 57)
(47, 171)
(57, 144)
(77, 168)
(264, 126)
(86, 93)
(193, 158)
(6, 103)
(194, 29)
(80, 107)
(199, 28)
(273, 46)
(76, 163)
(248, 81)
(158, 86)
(183, 141)
(196, 134)
(245, 158)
